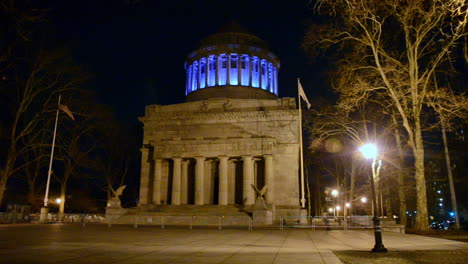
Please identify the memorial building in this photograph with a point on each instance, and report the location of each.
(232, 133)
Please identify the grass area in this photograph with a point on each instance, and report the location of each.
(403, 257)
(458, 235)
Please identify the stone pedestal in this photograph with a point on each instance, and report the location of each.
(114, 203)
(261, 215)
(44, 214)
(303, 218)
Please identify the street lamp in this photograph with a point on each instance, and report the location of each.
(369, 151)
(335, 193)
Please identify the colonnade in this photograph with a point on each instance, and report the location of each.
(226, 171)
(232, 69)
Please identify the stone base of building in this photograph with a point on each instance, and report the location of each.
(205, 215)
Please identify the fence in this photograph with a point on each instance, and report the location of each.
(190, 221)
(327, 222)
(193, 221)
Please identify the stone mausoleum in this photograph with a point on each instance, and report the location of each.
(232, 133)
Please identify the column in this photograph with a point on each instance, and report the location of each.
(269, 180)
(248, 191)
(184, 182)
(223, 180)
(157, 181)
(144, 178)
(250, 70)
(216, 70)
(176, 181)
(232, 182)
(199, 176)
(228, 76)
(207, 193)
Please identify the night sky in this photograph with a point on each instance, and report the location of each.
(135, 50)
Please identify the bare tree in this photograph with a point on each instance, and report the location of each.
(402, 43)
(31, 78)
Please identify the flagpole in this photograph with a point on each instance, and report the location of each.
(300, 147)
(46, 197)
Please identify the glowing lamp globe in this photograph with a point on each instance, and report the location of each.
(369, 151)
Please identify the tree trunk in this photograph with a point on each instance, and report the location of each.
(453, 196)
(401, 175)
(2, 188)
(309, 198)
(351, 186)
(422, 222)
(63, 191)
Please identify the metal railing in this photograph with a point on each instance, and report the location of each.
(326, 222)
(190, 221)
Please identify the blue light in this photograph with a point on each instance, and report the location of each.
(255, 72)
(452, 214)
(264, 74)
(211, 71)
(202, 72)
(195, 76)
(222, 75)
(245, 70)
(233, 70)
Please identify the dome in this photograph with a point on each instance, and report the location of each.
(232, 63)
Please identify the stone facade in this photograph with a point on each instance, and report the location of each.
(210, 152)
(203, 157)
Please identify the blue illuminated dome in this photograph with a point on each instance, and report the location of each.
(232, 64)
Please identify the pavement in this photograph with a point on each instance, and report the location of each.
(73, 243)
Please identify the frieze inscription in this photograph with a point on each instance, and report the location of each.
(216, 147)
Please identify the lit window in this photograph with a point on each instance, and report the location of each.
(202, 72)
(234, 72)
(222, 75)
(195, 76)
(245, 70)
(264, 74)
(211, 71)
(255, 72)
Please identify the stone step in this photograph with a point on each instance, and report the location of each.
(192, 210)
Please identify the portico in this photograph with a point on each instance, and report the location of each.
(202, 180)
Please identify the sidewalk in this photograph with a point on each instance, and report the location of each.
(58, 243)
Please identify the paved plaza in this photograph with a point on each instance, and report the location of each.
(73, 243)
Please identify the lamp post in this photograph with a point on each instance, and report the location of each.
(369, 151)
(334, 192)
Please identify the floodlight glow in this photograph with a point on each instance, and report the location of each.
(338, 207)
(364, 200)
(348, 205)
(369, 151)
(330, 210)
(58, 200)
(334, 192)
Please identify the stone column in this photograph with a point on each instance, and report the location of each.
(216, 70)
(223, 180)
(269, 179)
(157, 181)
(184, 183)
(144, 178)
(232, 182)
(248, 191)
(207, 193)
(199, 177)
(176, 181)
(228, 76)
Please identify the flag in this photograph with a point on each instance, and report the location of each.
(67, 111)
(302, 94)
